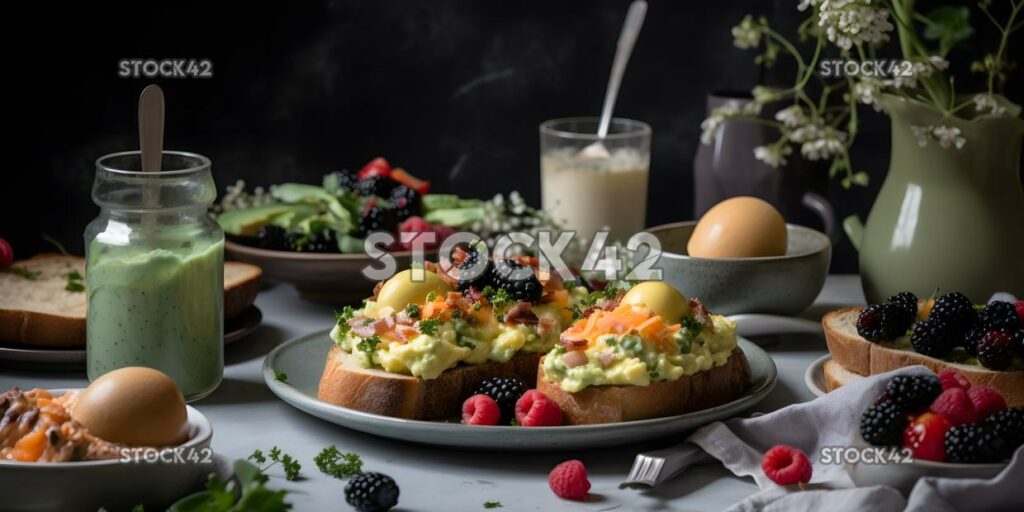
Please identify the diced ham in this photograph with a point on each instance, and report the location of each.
(574, 359)
(572, 343)
(701, 314)
(606, 358)
(521, 313)
(545, 326)
(361, 329)
(403, 318)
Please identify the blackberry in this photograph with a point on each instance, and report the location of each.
(377, 218)
(295, 242)
(407, 202)
(346, 179)
(974, 444)
(970, 339)
(881, 322)
(882, 424)
(1018, 341)
(480, 277)
(995, 350)
(907, 302)
(1008, 424)
(505, 391)
(933, 338)
(911, 393)
(372, 492)
(955, 309)
(272, 237)
(380, 186)
(999, 316)
(324, 241)
(504, 276)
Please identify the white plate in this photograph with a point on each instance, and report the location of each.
(302, 359)
(814, 377)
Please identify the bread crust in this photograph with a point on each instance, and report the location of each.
(860, 356)
(612, 404)
(240, 292)
(347, 384)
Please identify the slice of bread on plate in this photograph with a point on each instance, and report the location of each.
(37, 308)
(852, 354)
(344, 382)
(612, 404)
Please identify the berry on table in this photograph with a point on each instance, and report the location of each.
(971, 337)
(505, 392)
(407, 202)
(377, 218)
(932, 338)
(974, 444)
(6, 254)
(535, 409)
(995, 350)
(882, 424)
(954, 379)
(324, 241)
(1000, 316)
(955, 309)
(380, 186)
(955, 405)
(925, 437)
(1009, 425)
(905, 300)
(1019, 307)
(346, 179)
(480, 410)
(912, 393)
(525, 287)
(473, 273)
(881, 322)
(986, 400)
(372, 492)
(1018, 341)
(786, 465)
(569, 481)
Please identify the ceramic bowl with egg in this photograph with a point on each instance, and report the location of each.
(148, 434)
(750, 261)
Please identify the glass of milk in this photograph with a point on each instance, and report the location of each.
(585, 193)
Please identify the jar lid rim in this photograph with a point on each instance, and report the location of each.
(203, 163)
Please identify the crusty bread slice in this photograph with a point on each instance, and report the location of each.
(613, 404)
(37, 309)
(346, 383)
(837, 376)
(858, 355)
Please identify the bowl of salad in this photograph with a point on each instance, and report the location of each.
(313, 235)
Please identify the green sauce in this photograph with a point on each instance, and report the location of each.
(158, 308)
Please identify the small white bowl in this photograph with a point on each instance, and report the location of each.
(904, 475)
(112, 484)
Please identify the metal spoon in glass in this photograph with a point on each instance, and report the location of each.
(630, 31)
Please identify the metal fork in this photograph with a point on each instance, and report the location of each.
(653, 468)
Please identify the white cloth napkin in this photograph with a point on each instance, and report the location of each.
(830, 421)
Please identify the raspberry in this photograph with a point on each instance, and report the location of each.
(535, 409)
(926, 435)
(995, 350)
(786, 465)
(974, 444)
(913, 393)
(569, 480)
(932, 338)
(504, 391)
(1000, 316)
(954, 379)
(955, 405)
(480, 410)
(987, 401)
(1009, 425)
(881, 322)
(955, 309)
(1019, 307)
(883, 424)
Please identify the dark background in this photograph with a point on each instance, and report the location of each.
(452, 91)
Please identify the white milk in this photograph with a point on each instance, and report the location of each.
(587, 194)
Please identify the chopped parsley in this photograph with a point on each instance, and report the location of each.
(413, 310)
(26, 273)
(330, 461)
(74, 282)
(496, 296)
(431, 296)
(342, 317)
(429, 326)
(368, 345)
(290, 465)
(653, 374)
(492, 504)
(281, 376)
(463, 342)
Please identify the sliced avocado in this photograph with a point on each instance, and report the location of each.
(302, 193)
(448, 202)
(290, 219)
(248, 221)
(454, 217)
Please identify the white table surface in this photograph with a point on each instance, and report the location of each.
(246, 416)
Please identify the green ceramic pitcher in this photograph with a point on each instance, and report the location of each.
(946, 218)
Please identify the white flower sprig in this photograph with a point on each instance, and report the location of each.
(947, 136)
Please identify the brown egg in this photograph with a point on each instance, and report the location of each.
(135, 406)
(741, 227)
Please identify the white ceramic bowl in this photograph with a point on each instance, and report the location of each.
(903, 476)
(112, 484)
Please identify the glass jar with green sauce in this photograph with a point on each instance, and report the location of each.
(155, 271)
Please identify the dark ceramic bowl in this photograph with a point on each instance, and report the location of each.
(778, 285)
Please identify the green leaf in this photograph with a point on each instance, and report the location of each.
(949, 25)
(280, 376)
(861, 178)
(247, 472)
(218, 497)
(257, 498)
(330, 461)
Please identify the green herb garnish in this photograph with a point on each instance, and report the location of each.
(429, 326)
(368, 345)
(74, 282)
(226, 496)
(413, 310)
(492, 504)
(330, 461)
(342, 317)
(496, 296)
(26, 273)
(281, 376)
(288, 463)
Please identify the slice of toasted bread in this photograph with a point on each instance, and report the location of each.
(37, 309)
(836, 375)
(612, 404)
(346, 383)
(858, 355)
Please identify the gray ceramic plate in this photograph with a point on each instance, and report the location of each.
(302, 359)
(113, 484)
(234, 330)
